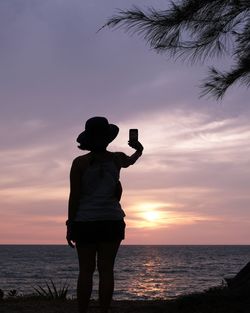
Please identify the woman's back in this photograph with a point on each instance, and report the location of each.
(98, 199)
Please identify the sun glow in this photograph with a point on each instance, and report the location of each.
(157, 215)
(151, 213)
(151, 216)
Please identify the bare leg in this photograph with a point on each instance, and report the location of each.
(87, 263)
(106, 253)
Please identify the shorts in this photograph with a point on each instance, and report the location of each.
(98, 231)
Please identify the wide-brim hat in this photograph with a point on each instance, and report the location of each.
(98, 132)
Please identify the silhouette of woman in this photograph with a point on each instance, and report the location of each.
(95, 222)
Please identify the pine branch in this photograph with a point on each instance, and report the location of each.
(217, 83)
(195, 30)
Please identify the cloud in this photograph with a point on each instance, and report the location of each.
(200, 167)
(194, 170)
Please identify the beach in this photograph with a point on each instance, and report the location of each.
(217, 300)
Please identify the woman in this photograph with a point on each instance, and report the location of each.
(95, 222)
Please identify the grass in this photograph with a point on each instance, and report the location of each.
(51, 291)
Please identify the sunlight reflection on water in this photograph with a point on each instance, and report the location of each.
(142, 272)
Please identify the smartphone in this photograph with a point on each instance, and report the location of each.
(133, 134)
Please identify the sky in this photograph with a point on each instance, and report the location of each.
(191, 186)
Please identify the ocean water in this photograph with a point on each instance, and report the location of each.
(141, 272)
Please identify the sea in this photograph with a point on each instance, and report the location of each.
(141, 272)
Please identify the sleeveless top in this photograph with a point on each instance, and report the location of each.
(98, 201)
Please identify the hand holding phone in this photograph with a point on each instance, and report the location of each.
(133, 140)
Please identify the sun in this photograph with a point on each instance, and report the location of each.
(151, 216)
(150, 212)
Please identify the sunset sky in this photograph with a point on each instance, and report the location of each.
(192, 184)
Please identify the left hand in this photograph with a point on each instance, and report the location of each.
(135, 144)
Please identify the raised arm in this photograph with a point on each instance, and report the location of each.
(138, 151)
(125, 160)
